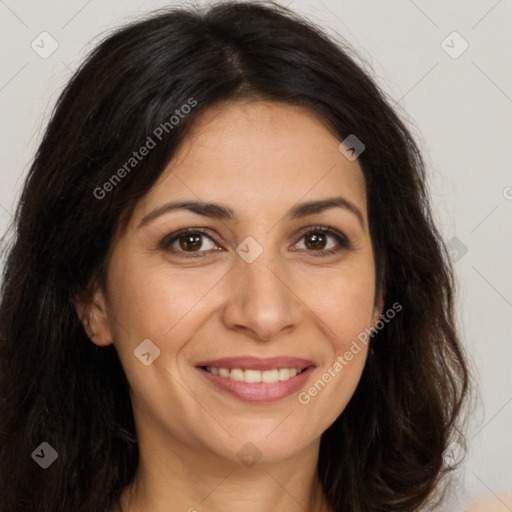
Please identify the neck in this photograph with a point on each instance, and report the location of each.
(180, 477)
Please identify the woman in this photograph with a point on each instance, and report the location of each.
(226, 290)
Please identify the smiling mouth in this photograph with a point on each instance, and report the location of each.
(251, 376)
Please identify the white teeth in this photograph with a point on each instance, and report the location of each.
(270, 376)
(236, 374)
(223, 372)
(284, 373)
(252, 376)
(255, 376)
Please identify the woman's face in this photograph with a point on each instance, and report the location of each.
(257, 285)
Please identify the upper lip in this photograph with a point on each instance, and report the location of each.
(256, 363)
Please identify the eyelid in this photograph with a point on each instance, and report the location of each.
(340, 237)
(170, 238)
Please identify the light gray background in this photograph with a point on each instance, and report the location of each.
(459, 110)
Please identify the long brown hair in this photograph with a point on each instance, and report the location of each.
(385, 451)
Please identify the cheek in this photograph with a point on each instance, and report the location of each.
(345, 309)
(344, 302)
(331, 388)
(151, 301)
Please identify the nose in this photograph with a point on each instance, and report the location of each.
(262, 302)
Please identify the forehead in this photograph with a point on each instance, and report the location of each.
(251, 154)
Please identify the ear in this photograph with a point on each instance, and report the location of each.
(92, 310)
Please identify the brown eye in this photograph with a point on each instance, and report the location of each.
(187, 242)
(316, 241)
(190, 242)
(322, 241)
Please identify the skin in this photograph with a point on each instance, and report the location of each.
(260, 159)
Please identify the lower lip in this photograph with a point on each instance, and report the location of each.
(259, 392)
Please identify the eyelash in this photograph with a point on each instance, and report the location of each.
(168, 240)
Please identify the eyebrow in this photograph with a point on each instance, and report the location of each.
(218, 211)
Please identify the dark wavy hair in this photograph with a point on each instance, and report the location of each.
(385, 451)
